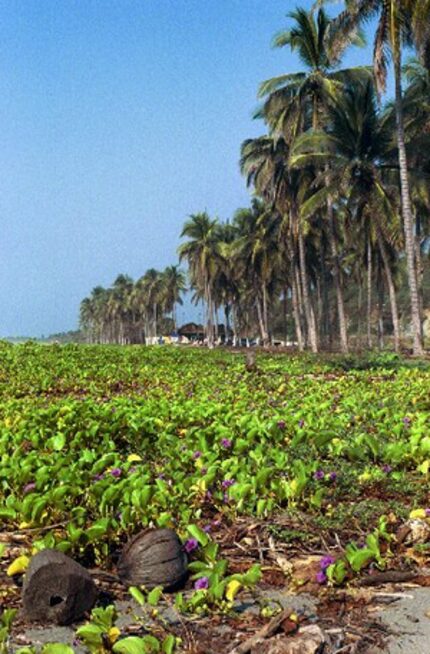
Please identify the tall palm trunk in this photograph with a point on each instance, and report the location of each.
(369, 293)
(296, 307)
(391, 289)
(337, 281)
(408, 226)
(174, 318)
(209, 315)
(265, 313)
(260, 318)
(309, 312)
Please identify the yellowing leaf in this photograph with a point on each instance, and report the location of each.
(24, 525)
(232, 589)
(113, 634)
(418, 513)
(19, 566)
(133, 457)
(424, 467)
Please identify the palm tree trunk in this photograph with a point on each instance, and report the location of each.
(420, 269)
(391, 290)
(309, 312)
(175, 325)
(369, 293)
(260, 320)
(265, 314)
(209, 315)
(285, 298)
(296, 309)
(337, 282)
(380, 310)
(408, 226)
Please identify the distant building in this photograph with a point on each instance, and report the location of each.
(192, 331)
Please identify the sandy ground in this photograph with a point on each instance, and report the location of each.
(407, 619)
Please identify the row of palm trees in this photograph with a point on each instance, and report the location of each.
(131, 312)
(340, 219)
(343, 185)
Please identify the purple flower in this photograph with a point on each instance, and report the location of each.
(197, 454)
(29, 487)
(428, 513)
(207, 528)
(227, 483)
(98, 477)
(208, 495)
(301, 423)
(386, 468)
(326, 561)
(201, 583)
(116, 472)
(226, 442)
(407, 421)
(281, 424)
(161, 475)
(321, 577)
(203, 471)
(333, 476)
(190, 545)
(319, 474)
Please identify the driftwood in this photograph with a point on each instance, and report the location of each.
(268, 630)
(310, 640)
(153, 558)
(57, 589)
(390, 577)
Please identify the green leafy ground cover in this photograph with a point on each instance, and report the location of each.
(100, 441)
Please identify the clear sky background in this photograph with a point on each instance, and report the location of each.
(118, 119)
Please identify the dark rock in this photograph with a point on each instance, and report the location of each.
(57, 589)
(152, 558)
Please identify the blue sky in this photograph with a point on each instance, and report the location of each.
(118, 119)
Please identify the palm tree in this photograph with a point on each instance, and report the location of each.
(392, 31)
(257, 248)
(295, 102)
(201, 251)
(173, 285)
(265, 162)
(353, 147)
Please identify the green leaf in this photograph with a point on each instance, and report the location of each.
(136, 645)
(169, 644)
(57, 648)
(58, 442)
(155, 595)
(201, 536)
(90, 634)
(137, 595)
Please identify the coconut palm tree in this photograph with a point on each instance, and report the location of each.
(265, 162)
(354, 145)
(257, 248)
(296, 102)
(393, 30)
(173, 285)
(201, 251)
